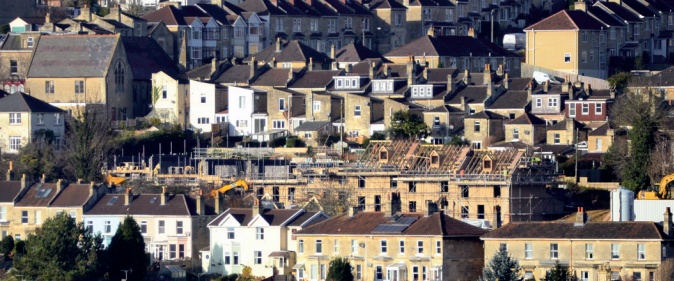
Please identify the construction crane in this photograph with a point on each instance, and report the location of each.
(659, 191)
(237, 184)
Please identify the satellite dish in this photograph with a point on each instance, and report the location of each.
(451, 127)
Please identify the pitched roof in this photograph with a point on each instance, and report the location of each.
(303, 218)
(69, 56)
(9, 190)
(567, 230)
(239, 73)
(511, 100)
(473, 94)
(444, 109)
(315, 79)
(561, 125)
(311, 126)
(567, 20)
(368, 223)
(219, 14)
(291, 51)
(527, 119)
(145, 57)
(21, 102)
(355, 53)
(486, 115)
(603, 16)
(143, 204)
(73, 195)
(169, 14)
(244, 216)
(620, 11)
(440, 75)
(449, 46)
(601, 131)
(640, 8)
(386, 4)
(261, 7)
(13, 42)
(38, 195)
(664, 78)
(273, 77)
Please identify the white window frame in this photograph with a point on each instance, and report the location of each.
(641, 252)
(528, 251)
(554, 251)
(401, 247)
(259, 233)
(300, 246)
(15, 118)
(357, 111)
(615, 251)
(597, 108)
(383, 247)
(14, 143)
(319, 246)
(552, 102)
(539, 102)
(317, 106)
(420, 247)
(589, 251)
(567, 58)
(585, 108)
(572, 110)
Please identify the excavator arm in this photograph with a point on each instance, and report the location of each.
(228, 187)
(662, 187)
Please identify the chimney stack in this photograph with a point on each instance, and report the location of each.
(546, 86)
(349, 68)
(334, 65)
(332, 51)
(10, 172)
(352, 211)
(128, 197)
(588, 89)
(463, 104)
(253, 67)
(487, 74)
(59, 186)
(570, 90)
(201, 206)
(214, 66)
(388, 71)
(530, 90)
(410, 70)
(581, 217)
(164, 196)
(278, 44)
(310, 67)
(43, 178)
(499, 71)
(580, 6)
(218, 203)
(471, 32)
(24, 181)
(667, 222)
(79, 181)
(372, 69)
(431, 208)
(425, 73)
(431, 32)
(257, 207)
(86, 12)
(506, 82)
(450, 84)
(92, 189)
(466, 77)
(273, 62)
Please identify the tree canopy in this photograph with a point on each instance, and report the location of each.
(501, 267)
(406, 124)
(340, 270)
(558, 273)
(87, 144)
(127, 251)
(60, 250)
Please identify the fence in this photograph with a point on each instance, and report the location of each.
(597, 83)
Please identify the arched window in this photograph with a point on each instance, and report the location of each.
(7, 88)
(119, 77)
(21, 89)
(13, 91)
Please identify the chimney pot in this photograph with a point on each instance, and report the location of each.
(43, 178)
(352, 211)
(128, 197)
(164, 196)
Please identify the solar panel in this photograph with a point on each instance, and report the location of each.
(112, 200)
(154, 199)
(389, 228)
(46, 192)
(406, 220)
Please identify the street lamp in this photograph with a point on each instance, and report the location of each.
(126, 273)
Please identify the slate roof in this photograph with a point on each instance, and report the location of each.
(641, 9)
(273, 77)
(9, 190)
(21, 102)
(73, 195)
(561, 125)
(315, 79)
(601, 131)
(244, 216)
(567, 230)
(364, 223)
(31, 198)
(239, 73)
(145, 57)
(473, 94)
(603, 16)
(169, 14)
(527, 119)
(12, 42)
(511, 100)
(142, 204)
(445, 109)
(291, 51)
(439, 75)
(68, 56)
(567, 20)
(557, 148)
(203, 71)
(216, 12)
(311, 126)
(449, 46)
(261, 7)
(305, 217)
(355, 53)
(486, 115)
(386, 4)
(664, 78)
(432, 3)
(620, 11)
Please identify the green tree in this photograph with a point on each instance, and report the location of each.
(501, 267)
(406, 124)
(558, 273)
(7, 245)
(127, 251)
(60, 250)
(340, 270)
(88, 141)
(619, 81)
(37, 158)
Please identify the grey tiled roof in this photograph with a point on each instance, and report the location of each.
(449, 46)
(311, 126)
(291, 51)
(72, 56)
(21, 102)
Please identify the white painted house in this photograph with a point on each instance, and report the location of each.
(206, 99)
(261, 239)
(171, 98)
(165, 221)
(247, 111)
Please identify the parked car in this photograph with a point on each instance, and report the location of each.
(514, 41)
(541, 77)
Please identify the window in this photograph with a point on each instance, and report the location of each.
(567, 58)
(503, 247)
(143, 227)
(591, 55)
(300, 246)
(348, 23)
(356, 111)
(24, 216)
(79, 87)
(444, 186)
(552, 102)
(15, 118)
(476, 126)
(584, 276)
(539, 102)
(436, 121)
(384, 247)
(365, 24)
(90, 226)
(401, 247)
(323, 272)
(235, 258)
(359, 272)
(449, 15)
(583, 56)
(415, 272)
(438, 247)
(30, 42)
(73, 214)
(598, 144)
(585, 108)
(317, 106)
(354, 246)
(615, 251)
(257, 257)
(480, 209)
(332, 25)
(259, 233)
(3, 213)
(556, 138)
(572, 110)
(278, 124)
(641, 252)
(584, 36)
(297, 25)
(172, 251)
(412, 205)
(281, 104)
(420, 247)
(398, 19)
(230, 233)
(464, 212)
(319, 246)
(57, 118)
(49, 87)
(107, 227)
(13, 66)
(554, 251)
(161, 227)
(336, 247)
(589, 251)
(528, 251)
(516, 133)
(179, 227)
(597, 108)
(636, 276)
(242, 102)
(14, 143)
(119, 78)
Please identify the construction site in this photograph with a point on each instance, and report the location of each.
(487, 187)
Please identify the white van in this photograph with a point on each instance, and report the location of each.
(514, 41)
(541, 77)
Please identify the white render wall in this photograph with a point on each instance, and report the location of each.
(202, 110)
(239, 112)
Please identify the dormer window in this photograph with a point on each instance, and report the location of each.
(487, 163)
(383, 155)
(384, 86)
(422, 91)
(347, 83)
(435, 159)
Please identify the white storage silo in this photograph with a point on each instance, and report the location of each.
(622, 205)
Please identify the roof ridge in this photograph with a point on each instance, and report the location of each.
(571, 19)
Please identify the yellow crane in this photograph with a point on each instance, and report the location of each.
(662, 191)
(237, 184)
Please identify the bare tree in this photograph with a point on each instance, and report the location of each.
(135, 8)
(88, 140)
(666, 270)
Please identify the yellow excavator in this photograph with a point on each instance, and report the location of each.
(237, 184)
(659, 191)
